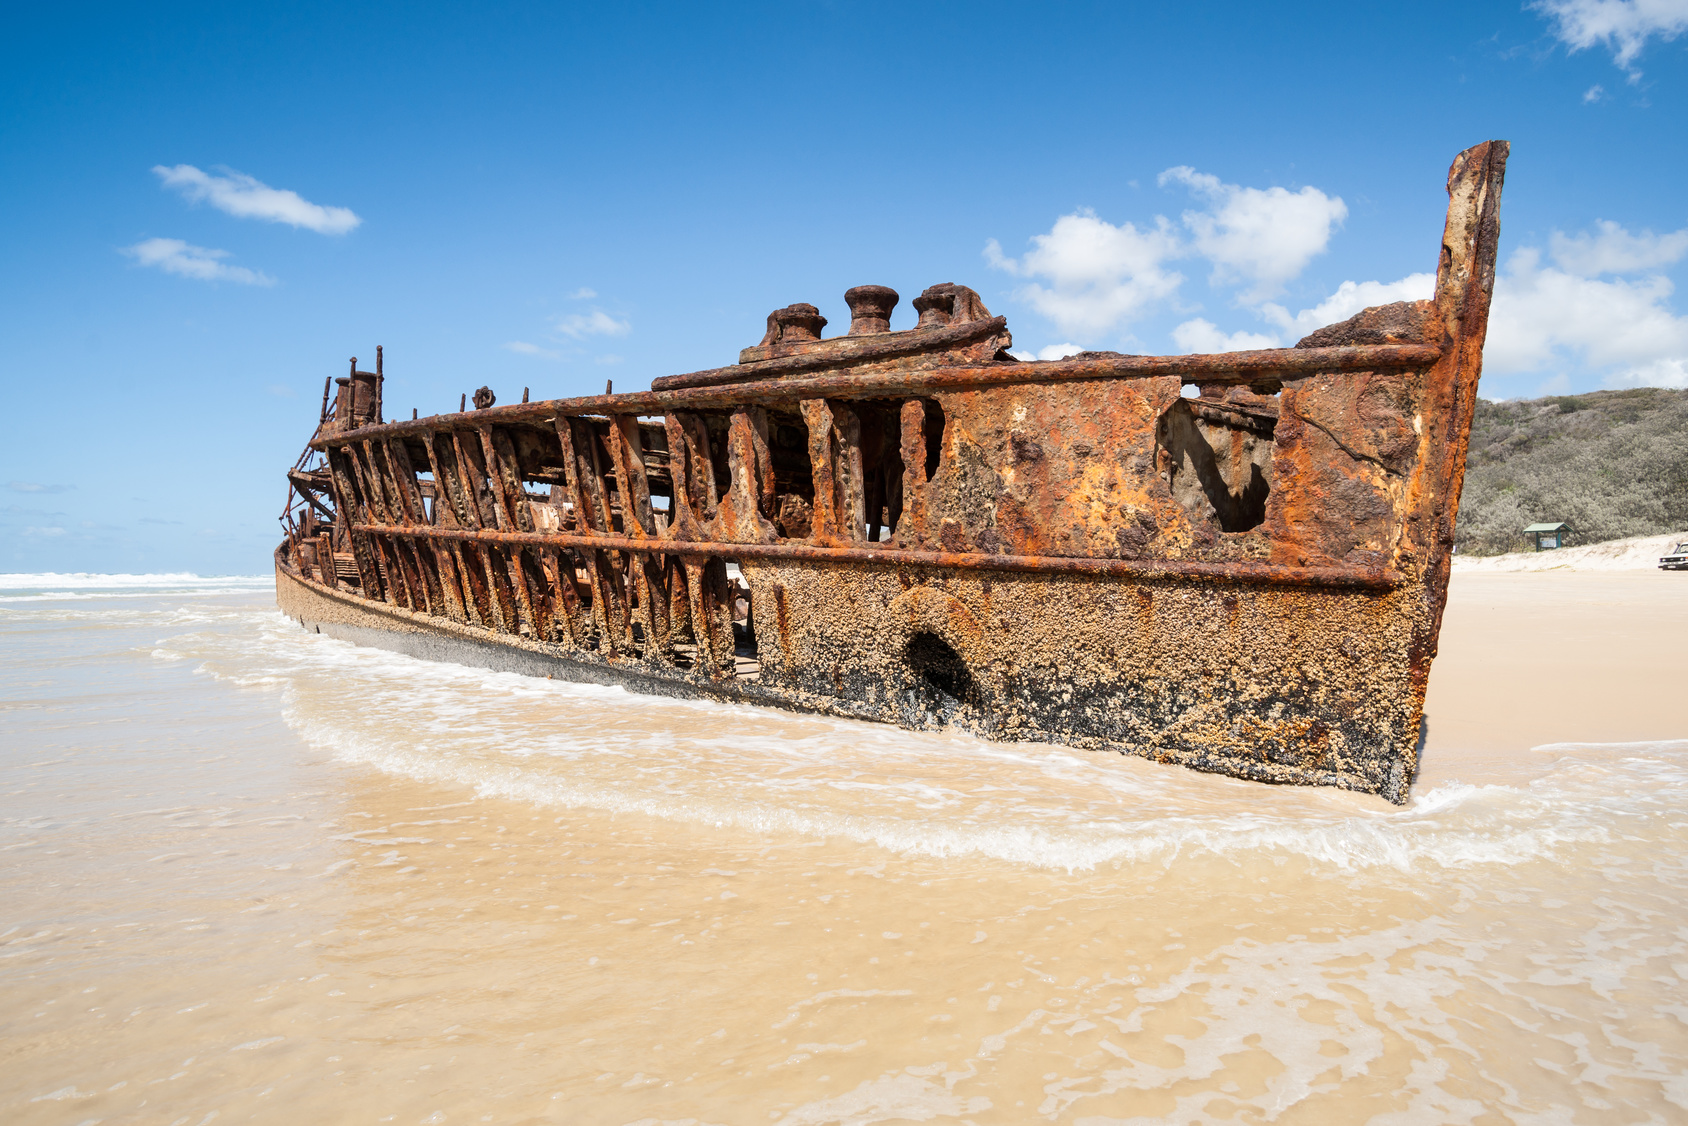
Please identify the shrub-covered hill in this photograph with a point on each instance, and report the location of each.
(1609, 464)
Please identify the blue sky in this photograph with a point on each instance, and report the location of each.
(205, 210)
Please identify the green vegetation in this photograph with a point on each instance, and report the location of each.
(1610, 464)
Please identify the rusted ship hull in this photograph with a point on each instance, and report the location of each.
(911, 527)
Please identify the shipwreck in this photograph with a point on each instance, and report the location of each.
(1234, 562)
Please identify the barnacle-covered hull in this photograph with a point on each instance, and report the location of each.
(912, 527)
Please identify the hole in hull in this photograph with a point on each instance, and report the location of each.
(1215, 454)
(942, 679)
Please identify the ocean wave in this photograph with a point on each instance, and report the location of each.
(563, 745)
(89, 580)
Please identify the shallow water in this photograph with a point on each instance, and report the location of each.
(249, 873)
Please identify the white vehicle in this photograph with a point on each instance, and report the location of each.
(1677, 560)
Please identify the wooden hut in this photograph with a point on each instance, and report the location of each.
(1549, 536)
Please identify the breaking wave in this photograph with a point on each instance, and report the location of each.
(53, 586)
(573, 746)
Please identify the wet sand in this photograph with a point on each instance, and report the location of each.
(248, 874)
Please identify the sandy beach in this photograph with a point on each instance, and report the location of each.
(251, 874)
(1559, 656)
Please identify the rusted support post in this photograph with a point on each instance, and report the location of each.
(847, 448)
(627, 452)
(911, 528)
(403, 478)
(541, 596)
(451, 510)
(471, 464)
(510, 508)
(477, 576)
(451, 507)
(416, 574)
(576, 594)
(427, 558)
(835, 457)
(521, 574)
(589, 517)
(508, 494)
(646, 571)
(350, 503)
(503, 518)
(573, 491)
(363, 456)
(679, 601)
(397, 574)
(711, 615)
(325, 561)
(749, 500)
(656, 605)
(585, 485)
(562, 601)
(471, 453)
(386, 484)
(686, 520)
(496, 569)
(450, 588)
(689, 456)
(817, 416)
(465, 586)
(393, 585)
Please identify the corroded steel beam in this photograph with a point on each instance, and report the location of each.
(1241, 572)
(1226, 367)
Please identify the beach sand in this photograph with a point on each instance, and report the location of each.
(1559, 656)
(251, 874)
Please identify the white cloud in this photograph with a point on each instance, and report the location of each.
(1544, 316)
(1089, 276)
(1623, 26)
(1098, 275)
(174, 256)
(1050, 352)
(1201, 335)
(1261, 237)
(1204, 336)
(1615, 251)
(1593, 94)
(247, 198)
(36, 487)
(1668, 372)
(523, 348)
(1350, 297)
(584, 293)
(595, 323)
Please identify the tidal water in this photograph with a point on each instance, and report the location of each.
(249, 873)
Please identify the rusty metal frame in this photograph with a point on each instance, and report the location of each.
(1336, 577)
(1227, 367)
